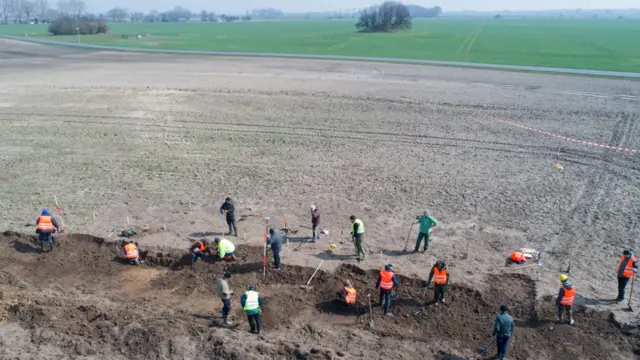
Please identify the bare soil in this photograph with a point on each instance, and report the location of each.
(82, 301)
(157, 143)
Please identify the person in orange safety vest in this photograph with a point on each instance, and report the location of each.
(131, 252)
(565, 299)
(440, 278)
(348, 293)
(46, 225)
(198, 251)
(386, 282)
(627, 268)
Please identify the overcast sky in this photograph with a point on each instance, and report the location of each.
(240, 6)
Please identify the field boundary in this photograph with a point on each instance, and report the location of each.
(565, 71)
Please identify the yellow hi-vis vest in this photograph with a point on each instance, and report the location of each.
(225, 247)
(360, 226)
(251, 303)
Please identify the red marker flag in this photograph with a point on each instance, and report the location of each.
(264, 258)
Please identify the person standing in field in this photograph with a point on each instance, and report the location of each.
(357, 235)
(229, 209)
(315, 223)
(427, 223)
(224, 292)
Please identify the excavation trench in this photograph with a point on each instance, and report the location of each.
(92, 265)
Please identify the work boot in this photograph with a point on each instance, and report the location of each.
(253, 330)
(442, 301)
(388, 314)
(358, 260)
(571, 322)
(228, 322)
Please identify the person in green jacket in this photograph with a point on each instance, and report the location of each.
(427, 223)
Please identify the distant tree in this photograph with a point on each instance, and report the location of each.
(117, 14)
(72, 8)
(137, 17)
(177, 14)
(40, 8)
(246, 18)
(152, 16)
(28, 9)
(417, 11)
(212, 16)
(204, 15)
(497, 16)
(390, 16)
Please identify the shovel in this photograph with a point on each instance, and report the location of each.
(406, 243)
(485, 350)
(307, 287)
(370, 312)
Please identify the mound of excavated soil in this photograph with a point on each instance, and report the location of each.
(81, 300)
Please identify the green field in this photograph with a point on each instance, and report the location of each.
(598, 44)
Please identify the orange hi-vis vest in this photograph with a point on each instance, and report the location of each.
(439, 276)
(518, 256)
(628, 267)
(45, 223)
(131, 251)
(201, 247)
(569, 295)
(386, 280)
(350, 298)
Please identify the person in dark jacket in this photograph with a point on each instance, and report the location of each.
(627, 269)
(315, 223)
(386, 282)
(46, 225)
(502, 329)
(565, 299)
(251, 303)
(229, 209)
(441, 280)
(275, 240)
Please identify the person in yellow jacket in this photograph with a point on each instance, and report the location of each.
(46, 225)
(357, 235)
(226, 249)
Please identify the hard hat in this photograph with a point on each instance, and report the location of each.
(562, 277)
(332, 247)
(388, 267)
(130, 241)
(347, 282)
(217, 240)
(45, 212)
(313, 207)
(626, 252)
(251, 287)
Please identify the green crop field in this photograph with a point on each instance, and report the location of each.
(598, 44)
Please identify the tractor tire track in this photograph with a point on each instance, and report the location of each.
(581, 213)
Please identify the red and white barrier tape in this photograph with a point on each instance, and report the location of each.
(566, 138)
(590, 143)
